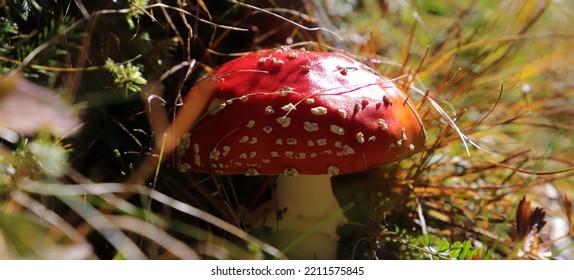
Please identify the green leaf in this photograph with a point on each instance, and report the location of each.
(455, 249)
(420, 255)
(426, 240)
(443, 245)
(466, 248)
(471, 254)
(468, 252)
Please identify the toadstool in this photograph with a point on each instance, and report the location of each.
(304, 116)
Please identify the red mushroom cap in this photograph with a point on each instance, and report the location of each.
(295, 112)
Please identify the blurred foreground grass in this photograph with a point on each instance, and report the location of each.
(493, 81)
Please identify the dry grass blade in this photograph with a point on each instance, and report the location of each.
(532, 172)
(286, 19)
(69, 194)
(523, 215)
(106, 191)
(188, 209)
(175, 247)
(52, 218)
(161, 5)
(449, 120)
(125, 246)
(568, 211)
(203, 7)
(72, 189)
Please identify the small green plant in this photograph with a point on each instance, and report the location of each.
(9, 29)
(428, 246)
(126, 76)
(136, 11)
(443, 249)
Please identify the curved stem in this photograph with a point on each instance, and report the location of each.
(307, 217)
(196, 102)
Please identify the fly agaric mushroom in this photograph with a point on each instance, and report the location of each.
(304, 116)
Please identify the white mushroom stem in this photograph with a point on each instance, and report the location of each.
(307, 213)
